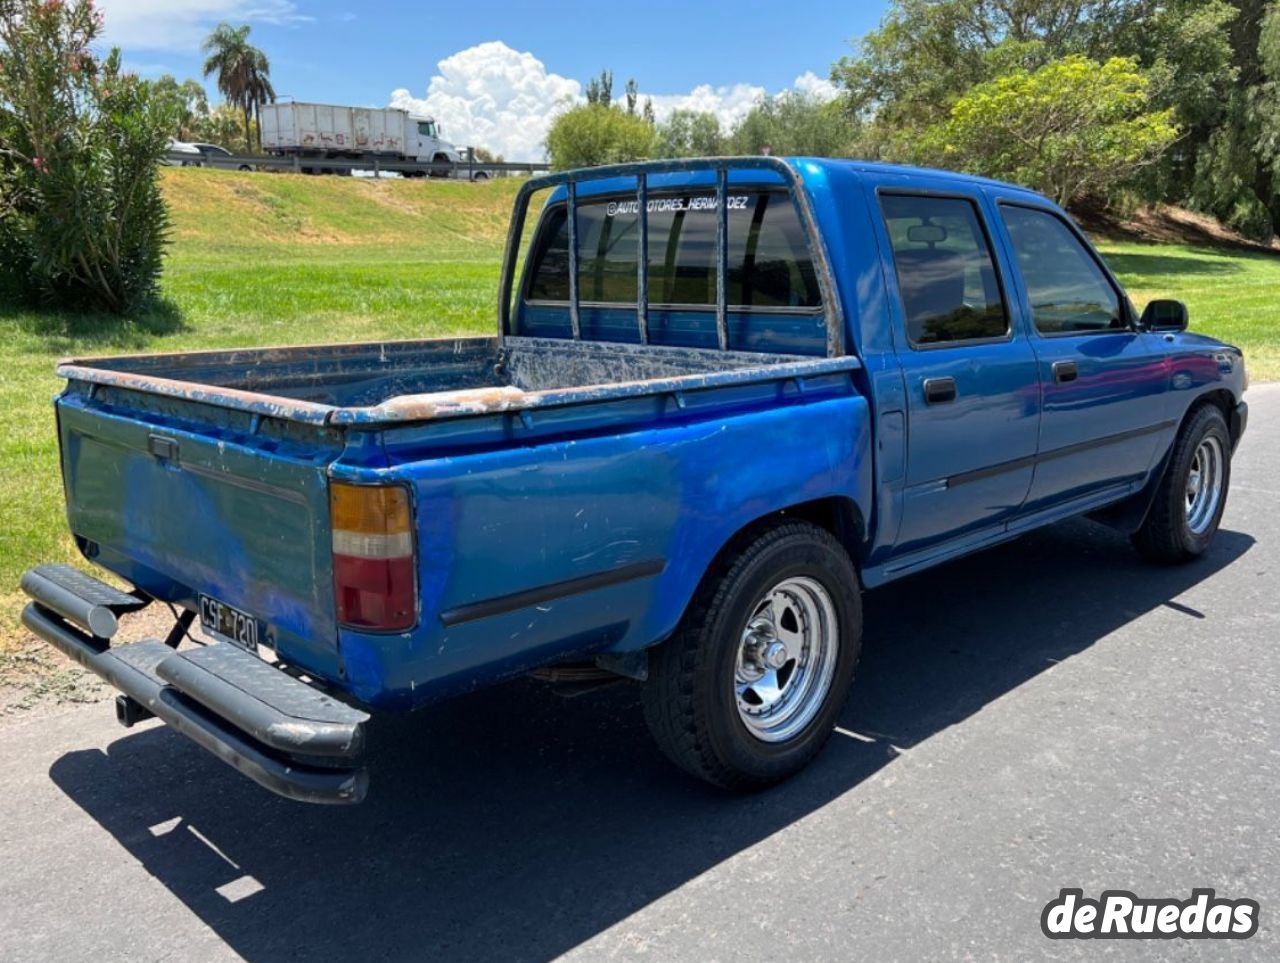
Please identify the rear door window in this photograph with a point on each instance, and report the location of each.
(769, 267)
(946, 274)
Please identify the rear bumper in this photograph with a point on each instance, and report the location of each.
(283, 734)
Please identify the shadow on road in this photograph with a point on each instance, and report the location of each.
(516, 824)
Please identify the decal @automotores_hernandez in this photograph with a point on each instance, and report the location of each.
(1119, 915)
(678, 205)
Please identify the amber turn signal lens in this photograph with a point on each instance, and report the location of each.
(370, 509)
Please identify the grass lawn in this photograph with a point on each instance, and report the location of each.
(261, 259)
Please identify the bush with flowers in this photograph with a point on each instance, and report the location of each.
(82, 221)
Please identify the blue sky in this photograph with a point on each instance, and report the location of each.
(506, 63)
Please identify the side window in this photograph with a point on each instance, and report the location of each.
(1067, 289)
(427, 128)
(768, 259)
(946, 274)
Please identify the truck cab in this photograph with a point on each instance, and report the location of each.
(425, 142)
(724, 397)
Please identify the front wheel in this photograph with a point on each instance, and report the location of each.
(1187, 508)
(747, 691)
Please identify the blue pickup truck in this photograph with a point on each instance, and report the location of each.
(724, 398)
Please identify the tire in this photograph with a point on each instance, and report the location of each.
(1180, 525)
(480, 176)
(699, 678)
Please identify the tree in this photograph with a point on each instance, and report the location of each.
(593, 134)
(187, 101)
(690, 133)
(221, 126)
(600, 89)
(82, 221)
(244, 73)
(1236, 168)
(927, 54)
(486, 156)
(1071, 127)
(795, 124)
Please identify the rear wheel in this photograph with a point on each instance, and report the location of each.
(748, 689)
(1187, 508)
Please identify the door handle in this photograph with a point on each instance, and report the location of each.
(1065, 371)
(939, 391)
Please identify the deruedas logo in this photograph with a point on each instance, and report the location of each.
(1119, 915)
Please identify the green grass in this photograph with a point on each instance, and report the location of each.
(262, 259)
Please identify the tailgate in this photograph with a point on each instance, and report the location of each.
(183, 498)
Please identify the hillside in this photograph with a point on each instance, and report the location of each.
(277, 259)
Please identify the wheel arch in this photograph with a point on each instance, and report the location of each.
(1224, 401)
(1128, 515)
(839, 515)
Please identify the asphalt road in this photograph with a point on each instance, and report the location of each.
(1051, 713)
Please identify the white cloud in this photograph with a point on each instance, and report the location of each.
(820, 88)
(494, 97)
(503, 99)
(183, 24)
(729, 104)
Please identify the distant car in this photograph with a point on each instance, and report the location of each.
(182, 154)
(216, 156)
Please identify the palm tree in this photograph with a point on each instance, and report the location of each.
(244, 73)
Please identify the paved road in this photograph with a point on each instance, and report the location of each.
(1052, 713)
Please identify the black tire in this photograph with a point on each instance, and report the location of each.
(480, 176)
(690, 703)
(1166, 535)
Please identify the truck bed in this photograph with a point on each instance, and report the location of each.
(209, 473)
(406, 381)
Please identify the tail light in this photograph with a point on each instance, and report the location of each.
(374, 577)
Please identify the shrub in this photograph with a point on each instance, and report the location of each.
(795, 123)
(1072, 127)
(82, 221)
(594, 134)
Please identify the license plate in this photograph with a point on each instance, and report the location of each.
(228, 622)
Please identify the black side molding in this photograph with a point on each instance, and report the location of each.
(546, 593)
(978, 474)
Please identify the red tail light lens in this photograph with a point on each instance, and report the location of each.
(374, 574)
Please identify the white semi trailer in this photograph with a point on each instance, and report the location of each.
(331, 132)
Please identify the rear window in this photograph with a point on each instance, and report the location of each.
(946, 275)
(769, 264)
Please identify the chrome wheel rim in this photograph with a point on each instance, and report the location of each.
(1204, 485)
(786, 659)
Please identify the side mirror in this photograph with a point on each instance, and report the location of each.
(1164, 315)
